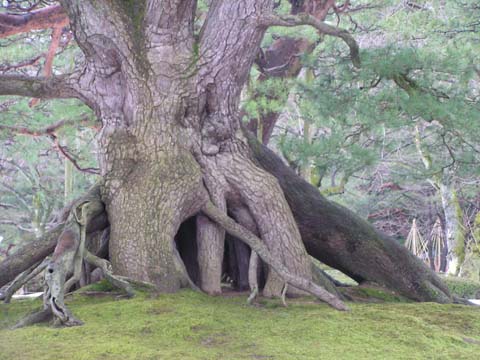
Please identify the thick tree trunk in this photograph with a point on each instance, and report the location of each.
(170, 139)
(168, 99)
(341, 239)
(146, 208)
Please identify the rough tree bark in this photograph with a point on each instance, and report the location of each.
(168, 99)
(170, 140)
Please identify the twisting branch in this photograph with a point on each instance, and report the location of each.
(261, 249)
(307, 19)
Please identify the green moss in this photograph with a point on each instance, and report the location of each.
(378, 294)
(339, 276)
(135, 10)
(101, 286)
(190, 325)
(462, 287)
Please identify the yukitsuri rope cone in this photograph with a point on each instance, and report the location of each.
(415, 242)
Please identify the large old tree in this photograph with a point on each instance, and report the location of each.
(176, 164)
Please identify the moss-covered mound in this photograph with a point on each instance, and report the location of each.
(190, 325)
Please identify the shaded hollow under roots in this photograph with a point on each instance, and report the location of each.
(236, 257)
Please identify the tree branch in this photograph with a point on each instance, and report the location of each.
(7, 206)
(60, 87)
(70, 158)
(48, 130)
(307, 19)
(17, 225)
(49, 17)
(30, 62)
(48, 66)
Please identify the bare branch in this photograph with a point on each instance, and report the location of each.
(48, 130)
(24, 63)
(307, 19)
(23, 201)
(8, 206)
(70, 158)
(48, 66)
(16, 224)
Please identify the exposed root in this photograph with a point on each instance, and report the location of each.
(107, 272)
(253, 295)
(252, 277)
(260, 248)
(35, 318)
(284, 294)
(68, 257)
(36, 250)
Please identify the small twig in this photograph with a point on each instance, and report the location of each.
(69, 157)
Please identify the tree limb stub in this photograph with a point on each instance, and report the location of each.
(260, 248)
(323, 28)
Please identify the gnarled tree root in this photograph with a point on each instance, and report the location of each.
(337, 237)
(35, 318)
(67, 258)
(36, 250)
(107, 272)
(252, 277)
(261, 249)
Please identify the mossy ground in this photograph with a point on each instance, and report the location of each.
(190, 325)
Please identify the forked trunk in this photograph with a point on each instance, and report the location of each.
(171, 138)
(168, 97)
